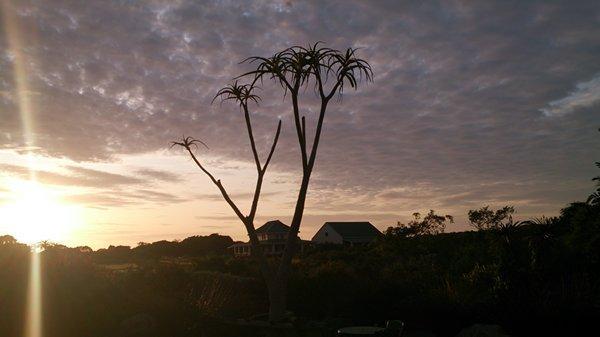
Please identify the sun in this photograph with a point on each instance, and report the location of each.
(33, 213)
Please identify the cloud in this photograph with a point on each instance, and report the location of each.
(119, 198)
(155, 196)
(242, 196)
(101, 177)
(104, 189)
(159, 175)
(75, 176)
(586, 94)
(455, 103)
(98, 200)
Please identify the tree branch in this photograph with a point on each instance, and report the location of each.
(319, 82)
(273, 146)
(304, 129)
(333, 90)
(261, 173)
(315, 144)
(251, 136)
(217, 183)
(299, 133)
(187, 143)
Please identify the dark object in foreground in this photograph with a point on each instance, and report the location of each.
(392, 329)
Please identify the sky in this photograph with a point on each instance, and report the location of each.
(473, 103)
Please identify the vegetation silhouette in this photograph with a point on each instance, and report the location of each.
(429, 225)
(548, 270)
(485, 218)
(328, 71)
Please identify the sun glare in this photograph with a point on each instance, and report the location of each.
(34, 212)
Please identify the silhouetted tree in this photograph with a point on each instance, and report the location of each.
(84, 249)
(542, 232)
(7, 240)
(486, 218)
(594, 198)
(431, 224)
(327, 71)
(507, 229)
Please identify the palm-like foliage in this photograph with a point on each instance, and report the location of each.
(240, 93)
(543, 232)
(294, 68)
(188, 143)
(507, 229)
(544, 227)
(347, 67)
(594, 198)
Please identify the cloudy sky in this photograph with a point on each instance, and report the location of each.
(474, 103)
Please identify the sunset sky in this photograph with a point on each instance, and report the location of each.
(472, 104)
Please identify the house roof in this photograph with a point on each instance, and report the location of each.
(273, 226)
(239, 244)
(359, 231)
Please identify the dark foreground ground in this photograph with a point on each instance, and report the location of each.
(538, 279)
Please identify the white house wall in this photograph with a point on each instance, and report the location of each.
(327, 235)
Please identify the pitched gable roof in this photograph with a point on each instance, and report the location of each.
(273, 226)
(359, 231)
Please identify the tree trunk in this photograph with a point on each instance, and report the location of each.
(277, 299)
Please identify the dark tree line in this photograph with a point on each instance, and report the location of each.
(542, 270)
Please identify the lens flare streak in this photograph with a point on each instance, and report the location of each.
(33, 323)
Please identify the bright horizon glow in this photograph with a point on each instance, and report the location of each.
(35, 213)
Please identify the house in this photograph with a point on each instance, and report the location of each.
(349, 233)
(272, 237)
